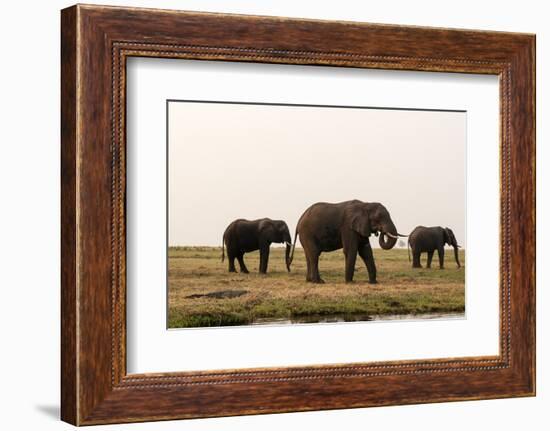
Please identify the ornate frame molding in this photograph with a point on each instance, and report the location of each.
(96, 41)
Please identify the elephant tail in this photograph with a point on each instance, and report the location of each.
(293, 247)
(223, 248)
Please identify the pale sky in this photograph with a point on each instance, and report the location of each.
(229, 161)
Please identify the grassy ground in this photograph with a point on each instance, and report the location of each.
(196, 271)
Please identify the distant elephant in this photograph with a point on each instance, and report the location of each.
(428, 239)
(347, 225)
(243, 236)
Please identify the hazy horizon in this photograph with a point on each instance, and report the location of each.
(230, 161)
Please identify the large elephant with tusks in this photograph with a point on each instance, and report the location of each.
(348, 225)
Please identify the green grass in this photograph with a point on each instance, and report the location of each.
(282, 295)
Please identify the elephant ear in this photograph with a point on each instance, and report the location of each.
(360, 223)
(267, 230)
(447, 236)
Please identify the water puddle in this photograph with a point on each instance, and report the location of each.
(342, 317)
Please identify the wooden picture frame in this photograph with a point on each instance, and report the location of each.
(95, 43)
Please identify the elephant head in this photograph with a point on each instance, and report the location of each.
(451, 240)
(277, 231)
(374, 218)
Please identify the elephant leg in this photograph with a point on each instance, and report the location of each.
(312, 261)
(441, 253)
(264, 258)
(315, 276)
(430, 256)
(416, 259)
(240, 258)
(308, 266)
(231, 261)
(366, 254)
(350, 253)
(350, 266)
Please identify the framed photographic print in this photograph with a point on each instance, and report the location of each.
(278, 159)
(265, 215)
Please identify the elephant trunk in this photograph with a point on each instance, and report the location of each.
(456, 255)
(387, 242)
(288, 244)
(289, 261)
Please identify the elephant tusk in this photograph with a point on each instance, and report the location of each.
(402, 236)
(287, 243)
(391, 235)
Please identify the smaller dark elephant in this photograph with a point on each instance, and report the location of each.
(428, 239)
(243, 236)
